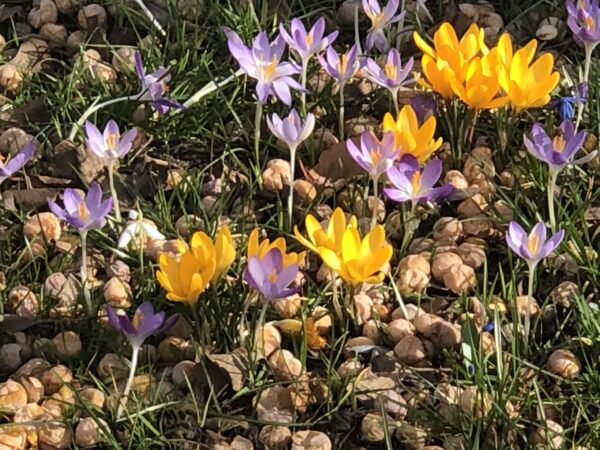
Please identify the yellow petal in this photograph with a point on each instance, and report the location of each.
(253, 248)
(330, 258)
(423, 46)
(351, 244)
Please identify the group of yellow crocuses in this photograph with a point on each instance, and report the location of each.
(356, 260)
(485, 78)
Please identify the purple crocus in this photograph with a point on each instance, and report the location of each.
(380, 20)
(424, 105)
(583, 19)
(83, 213)
(263, 63)
(144, 323)
(341, 67)
(374, 155)
(291, 129)
(16, 163)
(557, 152)
(109, 145)
(269, 276)
(410, 183)
(307, 44)
(154, 87)
(532, 247)
(393, 76)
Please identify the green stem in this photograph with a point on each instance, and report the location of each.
(134, 361)
(113, 191)
(395, 100)
(291, 194)
(586, 76)
(260, 325)
(95, 107)
(529, 303)
(303, 82)
(551, 187)
(375, 201)
(410, 225)
(257, 122)
(342, 112)
(334, 297)
(83, 273)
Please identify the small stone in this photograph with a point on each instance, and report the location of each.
(285, 365)
(410, 350)
(43, 228)
(10, 358)
(372, 428)
(119, 270)
(412, 281)
(524, 303)
(564, 363)
(172, 349)
(415, 262)
(22, 302)
(472, 255)
(475, 403)
(91, 17)
(424, 322)
(112, 366)
(54, 436)
(275, 437)
(33, 386)
(94, 398)
(56, 377)
(45, 12)
(67, 344)
(442, 262)
(12, 396)
(456, 179)
(392, 403)
(117, 293)
(184, 373)
(310, 440)
(550, 436)
(349, 368)
(277, 175)
(565, 294)
(274, 404)
(460, 278)
(399, 329)
(304, 191)
(447, 229)
(445, 334)
(89, 432)
(123, 59)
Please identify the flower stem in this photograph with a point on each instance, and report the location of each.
(291, 193)
(134, 361)
(529, 303)
(151, 17)
(341, 112)
(257, 121)
(95, 107)
(334, 297)
(471, 132)
(551, 187)
(209, 88)
(395, 99)
(356, 31)
(375, 200)
(113, 191)
(83, 273)
(303, 82)
(410, 225)
(586, 75)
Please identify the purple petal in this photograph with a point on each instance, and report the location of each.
(282, 90)
(125, 143)
(431, 173)
(440, 192)
(139, 67)
(20, 159)
(72, 199)
(287, 276)
(539, 230)
(552, 244)
(57, 210)
(397, 195)
(95, 140)
(262, 91)
(257, 270)
(408, 163)
(93, 197)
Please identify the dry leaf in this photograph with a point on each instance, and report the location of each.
(234, 364)
(29, 198)
(336, 163)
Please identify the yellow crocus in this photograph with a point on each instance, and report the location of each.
(481, 88)
(261, 248)
(185, 278)
(409, 137)
(361, 260)
(319, 238)
(527, 83)
(449, 58)
(224, 252)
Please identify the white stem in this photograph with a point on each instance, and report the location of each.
(529, 303)
(334, 297)
(113, 191)
(394, 93)
(151, 17)
(586, 76)
(342, 111)
(356, 31)
(375, 200)
(551, 187)
(134, 360)
(291, 194)
(303, 81)
(210, 87)
(95, 107)
(83, 272)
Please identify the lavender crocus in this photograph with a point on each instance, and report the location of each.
(270, 277)
(16, 163)
(583, 19)
(557, 152)
(424, 105)
(109, 144)
(532, 247)
(380, 20)
(144, 324)
(263, 63)
(154, 87)
(307, 44)
(83, 212)
(393, 76)
(412, 184)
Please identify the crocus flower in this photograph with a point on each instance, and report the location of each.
(261, 248)
(424, 105)
(307, 44)
(532, 247)
(291, 129)
(341, 67)
(448, 58)
(263, 63)
(557, 152)
(144, 323)
(330, 238)
(374, 156)
(224, 252)
(270, 277)
(527, 83)
(109, 144)
(412, 184)
(380, 20)
(154, 86)
(360, 260)
(410, 137)
(16, 163)
(83, 212)
(583, 19)
(393, 76)
(138, 229)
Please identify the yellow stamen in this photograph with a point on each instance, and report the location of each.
(375, 157)
(416, 181)
(533, 242)
(559, 143)
(343, 64)
(589, 23)
(272, 277)
(268, 71)
(391, 71)
(111, 141)
(137, 320)
(309, 39)
(82, 210)
(378, 19)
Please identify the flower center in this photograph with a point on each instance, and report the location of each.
(416, 181)
(309, 39)
(343, 64)
(559, 143)
(268, 71)
(533, 242)
(589, 23)
(82, 210)
(375, 157)
(137, 320)
(378, 20)
(391, 71)
(111, 141)
(272, 277)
